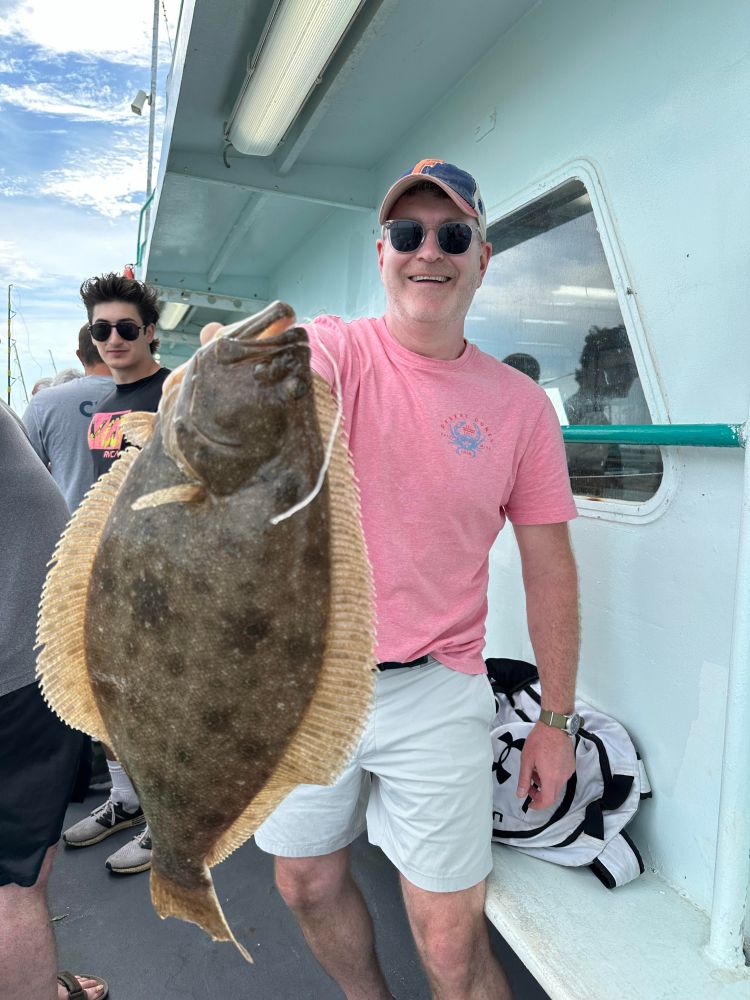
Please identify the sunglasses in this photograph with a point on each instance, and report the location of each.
(406, 236)
(126, 328)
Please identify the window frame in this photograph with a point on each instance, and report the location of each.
(584, 171)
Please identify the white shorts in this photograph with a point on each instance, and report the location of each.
(420, 781)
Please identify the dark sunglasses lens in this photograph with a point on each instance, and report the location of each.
(455, 237)
(126, 328)
(100, 330)
(405, 235)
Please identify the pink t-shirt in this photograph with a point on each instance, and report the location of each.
(444, 451)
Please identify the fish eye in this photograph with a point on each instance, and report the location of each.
(263, 372)
(295, 387)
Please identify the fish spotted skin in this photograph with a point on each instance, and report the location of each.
(208, 611)
(207, 623)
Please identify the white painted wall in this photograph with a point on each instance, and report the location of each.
(655, 96)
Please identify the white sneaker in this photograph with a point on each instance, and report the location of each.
(135, 856)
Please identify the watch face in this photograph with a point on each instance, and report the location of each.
(574, 723)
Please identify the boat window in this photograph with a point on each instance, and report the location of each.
(549, 308)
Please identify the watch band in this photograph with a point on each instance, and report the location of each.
(567, 723)
(554, 719)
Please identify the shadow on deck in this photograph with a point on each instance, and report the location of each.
(105, 925)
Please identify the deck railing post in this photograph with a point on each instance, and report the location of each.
(732, 869)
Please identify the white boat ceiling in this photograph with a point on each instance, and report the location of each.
(221, 228)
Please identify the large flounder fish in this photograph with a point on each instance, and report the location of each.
(208, 614)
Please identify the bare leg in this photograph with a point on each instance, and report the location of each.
(28, 965)
(451, 936)
(334, 919)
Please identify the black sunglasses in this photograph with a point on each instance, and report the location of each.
(126, 328)
(406, 236)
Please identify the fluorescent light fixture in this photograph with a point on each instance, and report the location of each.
(173, 314)
(547, 322)
(299, 40)
(585, 292)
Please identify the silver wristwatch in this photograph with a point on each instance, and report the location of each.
(568, 723)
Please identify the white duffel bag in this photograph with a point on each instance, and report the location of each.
(587, 826)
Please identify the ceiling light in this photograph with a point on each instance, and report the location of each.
(297, 43)
(173, 314)
(585, 292)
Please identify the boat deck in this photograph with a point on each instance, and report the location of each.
(105, 925)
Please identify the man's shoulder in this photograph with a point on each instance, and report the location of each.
(105, 401)
(510, 377)
(80, 388)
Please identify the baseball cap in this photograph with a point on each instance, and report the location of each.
(459, 185)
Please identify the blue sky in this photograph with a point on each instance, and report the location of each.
(73, 163)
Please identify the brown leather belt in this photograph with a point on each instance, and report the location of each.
(393, 665)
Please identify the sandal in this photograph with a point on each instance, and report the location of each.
(74, 988)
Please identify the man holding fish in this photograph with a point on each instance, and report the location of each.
(446, 443)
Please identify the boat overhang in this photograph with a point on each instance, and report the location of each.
(222, 223)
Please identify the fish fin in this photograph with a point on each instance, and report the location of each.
(184, 493)
(197, 903)
(138, 427)
(61, 668)
(340, 705)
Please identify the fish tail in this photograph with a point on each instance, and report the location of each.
(196, 903)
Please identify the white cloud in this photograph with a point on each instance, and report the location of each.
(108, 184)
(76, 106)
(111, 186)
(11, 65)
(11, 187)
(13, 263)
(118, 33)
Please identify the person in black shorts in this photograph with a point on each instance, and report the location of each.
(123, 314)
(38, 753)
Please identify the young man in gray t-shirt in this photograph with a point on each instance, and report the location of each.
(57, 421)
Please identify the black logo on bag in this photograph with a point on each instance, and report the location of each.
(501, 774)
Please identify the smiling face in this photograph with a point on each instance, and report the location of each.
(128, 360)
(429, 292)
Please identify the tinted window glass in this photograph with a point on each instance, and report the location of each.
(549, 308)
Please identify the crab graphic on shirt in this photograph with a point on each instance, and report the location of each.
(467, 434)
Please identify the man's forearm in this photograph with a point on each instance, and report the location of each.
(553, 620)
(551, 584)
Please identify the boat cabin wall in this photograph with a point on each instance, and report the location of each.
(653, 104)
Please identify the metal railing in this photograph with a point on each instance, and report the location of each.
(140, 245)
(666, 435)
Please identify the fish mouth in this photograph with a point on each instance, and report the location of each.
(259, 337)
(268, 325)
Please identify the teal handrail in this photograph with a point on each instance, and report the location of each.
(691, 435)
(140, 246)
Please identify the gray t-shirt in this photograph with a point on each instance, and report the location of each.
(33, 515)
(57, 420)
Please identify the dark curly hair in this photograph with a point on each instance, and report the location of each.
(115, 288)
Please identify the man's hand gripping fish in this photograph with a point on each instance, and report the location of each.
(223, 649)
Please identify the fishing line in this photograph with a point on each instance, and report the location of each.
(272, 349)
(329, 448)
